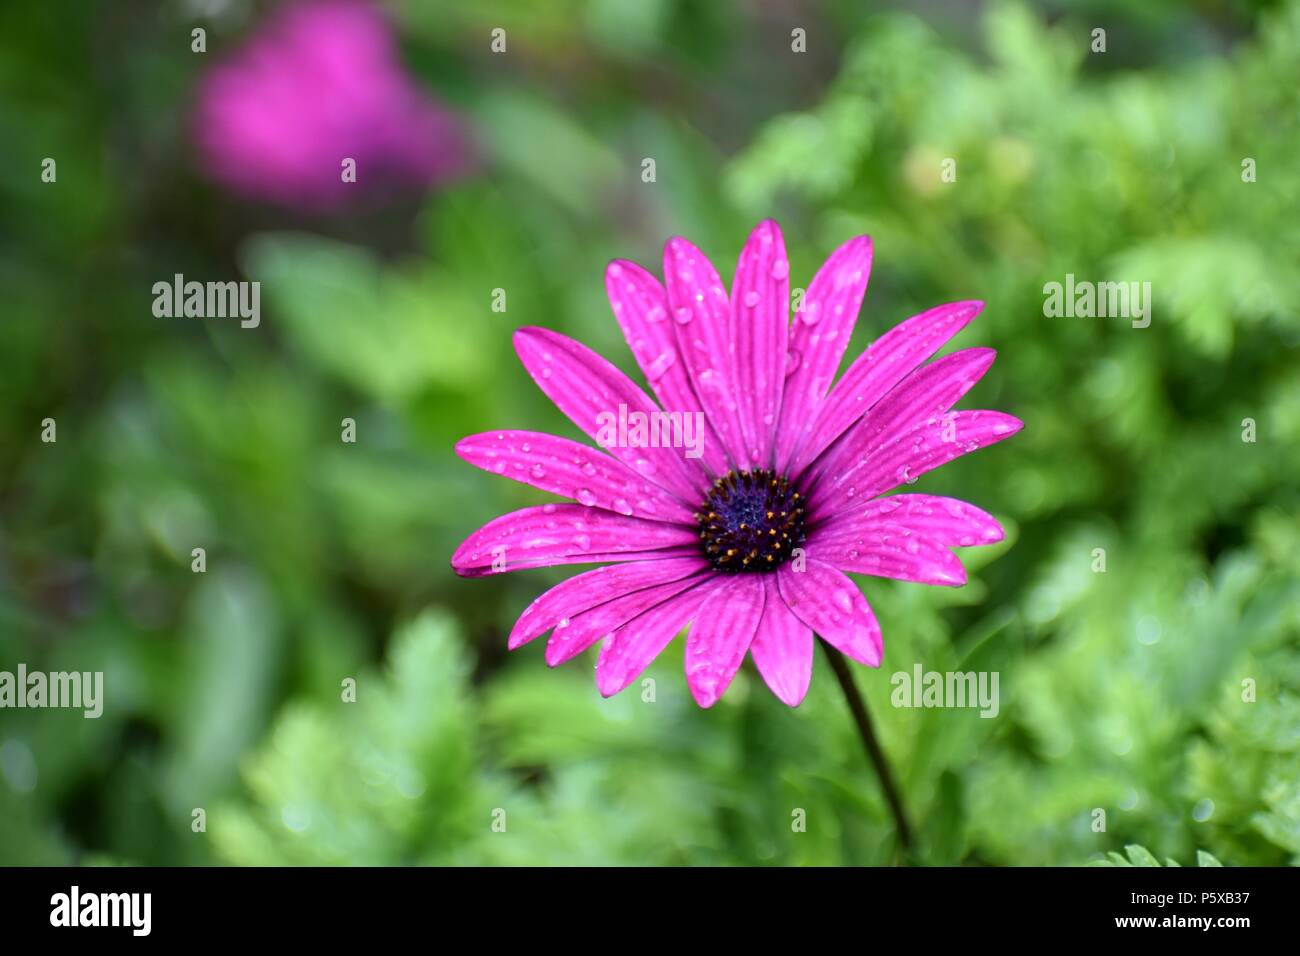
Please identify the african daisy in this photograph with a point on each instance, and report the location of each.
(747, 541)
(318, 85)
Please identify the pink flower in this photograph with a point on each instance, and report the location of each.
(318, 84)
(751, 539)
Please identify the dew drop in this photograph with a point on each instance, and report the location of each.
(659, 367)
(751, 299)
(683, 315)
(582, 542)
(622, 507)
(585, 497)
(537, 471)
(780, 269)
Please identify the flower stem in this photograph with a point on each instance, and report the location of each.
(858, 708)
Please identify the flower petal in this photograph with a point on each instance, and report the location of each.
(721, 635)
(640, 305)
(760, 326)
(949, 521)
(929, 391)
(888, 551)
(566, 534)
(633, 646)
(582, 592)
(820, 334)
(782, 648)
(909, 456)
(588, 389)
(569, 468)
(877, 370)
(570, 638)
(701, 318)
(833, 606)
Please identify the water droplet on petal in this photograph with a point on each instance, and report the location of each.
(585, 497)
(780, 269)
(662, 363)
(582, 542)
(622, 507)
(751, 299)
(683, 315)
(537, 471)
(792, 360)
(588, 469)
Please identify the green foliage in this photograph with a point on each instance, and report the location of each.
(1141, 856)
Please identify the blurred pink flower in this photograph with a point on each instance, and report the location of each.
(318, 83)
(751, 537)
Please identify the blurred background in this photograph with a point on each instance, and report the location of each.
(520, 168)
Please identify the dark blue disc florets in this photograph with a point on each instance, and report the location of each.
(751, 521)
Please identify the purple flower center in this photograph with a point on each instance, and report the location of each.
(751, 521)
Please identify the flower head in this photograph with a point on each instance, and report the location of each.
(750, 538)
(318, 84)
